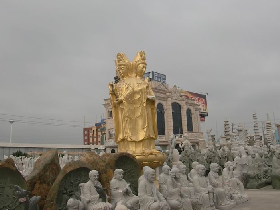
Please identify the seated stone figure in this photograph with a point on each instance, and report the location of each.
(142, 176)
(193, 172)
(163, 177)
(74, 204)
(91, 191)
(175, 197)
(220, 199)
(227, 175)
(237, 190)
(187, 187)
(120, 191)
(254, 179)
(203, 190)
(149, 197)
(275, 177)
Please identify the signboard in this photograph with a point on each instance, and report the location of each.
(158, 77)
(199, 99)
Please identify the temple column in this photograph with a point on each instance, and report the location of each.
(168, 117)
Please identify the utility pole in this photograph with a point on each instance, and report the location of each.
(11, 122)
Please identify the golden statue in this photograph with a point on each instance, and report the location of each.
(133, 107)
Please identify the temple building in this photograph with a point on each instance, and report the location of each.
(178, 112)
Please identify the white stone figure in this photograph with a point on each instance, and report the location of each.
(142, 176)
(203, 190)
(221, 200)
(193, 172)
(89, 195)
(187, 187)
(6, 157)
(209, 138)
(175, 196)
(237, 165)
(237, 190)
(149, 197)
(163, 177)
(74, 204)
(76, 158)
(276, 163)
(121, 192)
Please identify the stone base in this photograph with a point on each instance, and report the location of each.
(275, 181)
(254, 183)
(227, 207)
(242, 200)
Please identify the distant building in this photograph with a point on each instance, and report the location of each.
(178, 112)
(95, 135)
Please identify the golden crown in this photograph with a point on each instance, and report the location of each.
(121, 60)
(140, 58)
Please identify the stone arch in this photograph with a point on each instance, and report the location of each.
(189, 120)
(177, 118)
(160, 119)
(113, 151)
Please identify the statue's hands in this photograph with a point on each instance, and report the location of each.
(151, 97)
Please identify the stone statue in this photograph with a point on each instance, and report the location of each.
(237, 190)
(23, 198)
(172, 143)
(203, 190)
(90, 193)
(142, 176)
(133, 106)
(149, 197)
(276, 163)
(163, 177)
(176, 198)
(75, 204)
(193, 172)
(275, 177)
(186, 186)
(219, 193)
(121, 192)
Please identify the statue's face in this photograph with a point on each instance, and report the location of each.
(122, 71)
(201, 171)
(173, 174)
(253, 155)
(94, 177)
(119, 176)
(183, 169)
(140, 70)
(151, 176)
(166, 171)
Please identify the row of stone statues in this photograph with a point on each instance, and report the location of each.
(24, 164)
(251, 164)
(176, 190)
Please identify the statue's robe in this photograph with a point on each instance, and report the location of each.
(148, 194)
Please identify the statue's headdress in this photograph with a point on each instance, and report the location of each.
(140, 58)
(121, 60)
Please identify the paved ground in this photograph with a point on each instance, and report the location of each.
(263, 199)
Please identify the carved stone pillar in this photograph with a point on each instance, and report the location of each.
(184, 116)
(197, 120)
(168, 117)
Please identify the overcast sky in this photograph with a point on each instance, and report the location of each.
(57, 58)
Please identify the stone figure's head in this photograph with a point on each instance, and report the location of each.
(200, 169)
(150, 175)
(171, 137)
(214, 167)
(277, 153)
(183, 169)
(253, 155)
(228, 165)
(194, 164)
(118, 174)
(265, 155)
(123, 65)
(93, 175)
(166, 169)
(175, 173)
(139, 64)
